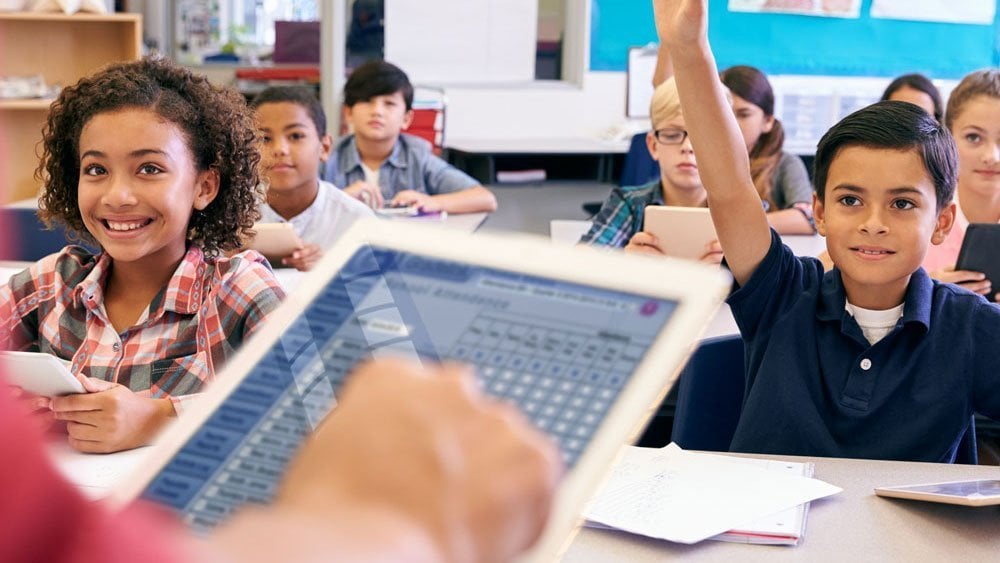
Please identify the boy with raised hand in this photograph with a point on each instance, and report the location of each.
(381, 166)
(294, 142)
(874, 359)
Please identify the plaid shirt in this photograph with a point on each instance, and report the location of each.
(620, 218)
(196, 323)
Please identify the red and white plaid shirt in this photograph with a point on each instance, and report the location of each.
(177, 346)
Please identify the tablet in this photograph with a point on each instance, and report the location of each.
(585, 343)
(981, 492)
(981, 251)
(40, 374)
(683, 231)
(275, 240)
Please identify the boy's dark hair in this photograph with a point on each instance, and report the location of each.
(301, 95)
(377, 78)
(917, 82)
(215, 121)
(893, 125)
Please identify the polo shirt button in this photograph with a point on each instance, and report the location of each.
(866, 364)
(116, 346)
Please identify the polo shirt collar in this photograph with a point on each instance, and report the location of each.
(917, 300)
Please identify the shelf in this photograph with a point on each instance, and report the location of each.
(32, 104)
(61, 49)
(60, 17)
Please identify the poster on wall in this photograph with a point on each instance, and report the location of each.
(826, 8)
(944, 11)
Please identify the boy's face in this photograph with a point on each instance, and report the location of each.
(381, 118)
(291, 146)
(678, 167)
(878, 215)
(139, 185)
(977, 136)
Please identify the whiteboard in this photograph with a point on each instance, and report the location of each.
(639, 86)
(455, 41)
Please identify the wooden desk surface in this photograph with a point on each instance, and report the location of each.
(855, 525)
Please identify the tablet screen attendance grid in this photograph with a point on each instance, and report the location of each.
(561, 351)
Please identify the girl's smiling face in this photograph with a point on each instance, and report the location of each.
(139, 186)
(977, 137)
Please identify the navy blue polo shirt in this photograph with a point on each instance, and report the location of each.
(816, 387)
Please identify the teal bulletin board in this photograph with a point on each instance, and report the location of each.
(794, 44)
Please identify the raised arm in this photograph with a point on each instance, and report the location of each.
(722, 155)
(664, 68)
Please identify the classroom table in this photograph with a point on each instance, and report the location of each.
(854, 525)
(467, 153)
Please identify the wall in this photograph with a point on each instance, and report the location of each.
(782, 44)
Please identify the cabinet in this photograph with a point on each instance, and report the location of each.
(62, 49)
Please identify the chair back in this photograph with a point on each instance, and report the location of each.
(639, 168)
(710, 395)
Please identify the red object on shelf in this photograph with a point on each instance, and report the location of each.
(279, 73)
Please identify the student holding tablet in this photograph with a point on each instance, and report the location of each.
(973, 117)
(157, 168)
(620, 222)
(342, 500)
(294, 143)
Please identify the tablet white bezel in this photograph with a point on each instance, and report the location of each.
(274, 240)
(683, 231)
(40, 374)
(907, 492)
(696, 288)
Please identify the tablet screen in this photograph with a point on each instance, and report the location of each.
(562, 352)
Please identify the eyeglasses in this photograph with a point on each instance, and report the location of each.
(670, 136)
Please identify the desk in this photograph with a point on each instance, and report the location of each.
(852, 526)
(478, 156)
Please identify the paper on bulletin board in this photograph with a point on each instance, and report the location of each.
(826, 8)
(449, 41)
(944, 11)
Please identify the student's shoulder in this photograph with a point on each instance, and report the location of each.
(336, 197)
(246, 272)
(414, 144)
(960, 304)
(645, 193)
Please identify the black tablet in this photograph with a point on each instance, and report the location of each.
(981, 251)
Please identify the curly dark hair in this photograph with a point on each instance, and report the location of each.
(215, 121)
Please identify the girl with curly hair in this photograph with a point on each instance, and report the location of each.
(159, 170)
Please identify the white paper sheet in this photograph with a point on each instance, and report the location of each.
(828, 8)
(449, 41)
(686, 497)
(95, 475)
(946, 11)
